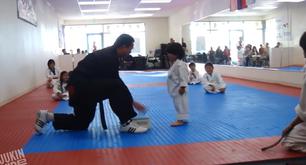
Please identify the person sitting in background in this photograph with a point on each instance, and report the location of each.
(59, 90)
(247, 55)
(255, 56)
(227, 55)
(219, 56)
(211, 55)
(78, 51)
(52, 73)
(295, 133)
(265, 56)
(212, 82)
(278, 45)
(64, 52)
(194, 76)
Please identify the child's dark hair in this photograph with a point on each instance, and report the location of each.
(191, 64)
(62, 74)
(209, 64)
(303, 41)
(51, 61)
(176, 49)
(61, 79)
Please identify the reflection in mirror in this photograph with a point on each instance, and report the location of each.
(266, 34)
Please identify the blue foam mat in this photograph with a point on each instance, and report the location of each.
(292, 68)
(241, 113)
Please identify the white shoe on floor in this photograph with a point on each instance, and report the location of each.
(132, 127)
(41, 120)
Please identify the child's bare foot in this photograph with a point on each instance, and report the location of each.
(178, 123)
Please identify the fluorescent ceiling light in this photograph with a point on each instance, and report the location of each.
(140, 15)
(111, 16)
(147, 9)
(95, 3)
(265, 7)
(290, 0)
(155, 1)
(94, 10)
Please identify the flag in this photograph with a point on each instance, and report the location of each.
(239, 4)
(244, 4)
(233, 5)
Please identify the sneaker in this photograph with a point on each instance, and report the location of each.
(178, 123)
(132, 127)
(41, 120)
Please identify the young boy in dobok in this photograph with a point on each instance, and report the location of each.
(177, 82)
(212, 81)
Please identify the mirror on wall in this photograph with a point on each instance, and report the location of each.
(264, 35)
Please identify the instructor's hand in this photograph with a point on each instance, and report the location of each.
(139, 106)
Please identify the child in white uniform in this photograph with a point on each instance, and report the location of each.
(59, 90)
(52, 74)
(295, 133)
(177, 82)
(212, 82)
(194, 76)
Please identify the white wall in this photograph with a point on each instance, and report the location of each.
(294, 14)
(194, 12)
(157, 30)
(24, 48)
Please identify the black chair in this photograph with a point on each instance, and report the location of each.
(156, 58)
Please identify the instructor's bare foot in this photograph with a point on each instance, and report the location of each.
(178, 123)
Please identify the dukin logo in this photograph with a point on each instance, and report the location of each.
(15, 157)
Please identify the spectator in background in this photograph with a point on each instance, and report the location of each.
(255, 57)
(64, 52)
(211, 55)
(247, 55)
(172, 40)
(261, 50)
(219, 56)
(278, 45)
(227, 55)
(78, 51)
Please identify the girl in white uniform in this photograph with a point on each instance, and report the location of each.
(295, 133)
(194, 76)
(212, 82)
(59, 90)
(177, 82)
(52, 74)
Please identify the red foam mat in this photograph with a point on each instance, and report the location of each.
(197, 153)
(17, 118)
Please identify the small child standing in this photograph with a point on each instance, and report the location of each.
(194, 76)
(52, 73)
(59, 90)
(212, 82)
(177, 82)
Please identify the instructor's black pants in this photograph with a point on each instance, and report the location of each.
(84, 99)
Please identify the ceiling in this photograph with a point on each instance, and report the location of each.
(260, 8)
(111, 9)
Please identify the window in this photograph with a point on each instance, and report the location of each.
(82, 36)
